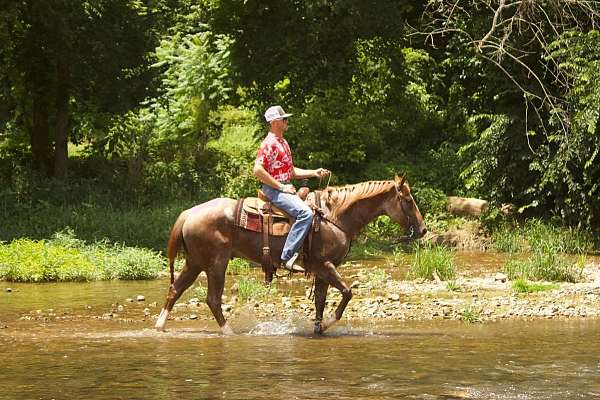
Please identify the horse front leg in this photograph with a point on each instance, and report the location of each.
(321, 287)
(184, 280)
(330, 275)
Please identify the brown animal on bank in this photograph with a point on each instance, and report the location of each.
(210, 238)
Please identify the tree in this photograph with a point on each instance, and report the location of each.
(533, 57)
(61, 56)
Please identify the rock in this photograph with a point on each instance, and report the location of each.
(193, 316)
(500, 277)
(227, 307)
(146, 312)
(8, 290)
(466, 206)
(140, 298)
(129, 300)
(120, 308)
(394, 296)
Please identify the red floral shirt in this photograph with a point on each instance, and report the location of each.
(275, 156)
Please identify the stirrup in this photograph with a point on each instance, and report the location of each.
(292, 268)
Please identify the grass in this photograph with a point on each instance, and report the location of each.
(66, 258)
(238, 266)
(545, 266)
(375, 279)
(453, 286)
(521, 285)
(143, 226)
(250, 288)
(201, 292)
(536, 234)
(470, 315)
(432, 259)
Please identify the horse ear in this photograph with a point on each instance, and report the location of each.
(401, 178)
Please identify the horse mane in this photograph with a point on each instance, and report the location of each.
(340, 198)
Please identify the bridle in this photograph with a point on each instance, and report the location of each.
(403, 200)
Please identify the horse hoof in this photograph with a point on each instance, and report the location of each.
(226, 330)
(161, 321)
(328, 323)
(318, 329)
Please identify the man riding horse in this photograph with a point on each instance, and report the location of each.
(210, 234)
(275, 168)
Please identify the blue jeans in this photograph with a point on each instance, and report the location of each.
(295, 207)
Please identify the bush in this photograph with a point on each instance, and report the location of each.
(66, 258)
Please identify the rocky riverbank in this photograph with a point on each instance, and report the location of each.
(381, 293)
(472, 299)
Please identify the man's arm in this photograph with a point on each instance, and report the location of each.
(261, 173)
(300, 173)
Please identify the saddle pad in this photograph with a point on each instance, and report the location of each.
(254, 205)
(252, 221)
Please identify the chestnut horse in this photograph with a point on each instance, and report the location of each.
(210, 238)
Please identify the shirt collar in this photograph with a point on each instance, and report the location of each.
(275, 136)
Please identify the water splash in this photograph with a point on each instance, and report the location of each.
(273, 328)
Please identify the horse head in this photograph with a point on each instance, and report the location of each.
(403, 209)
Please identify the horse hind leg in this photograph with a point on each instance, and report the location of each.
(184, 280)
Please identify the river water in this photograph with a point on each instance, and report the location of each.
(88, 341)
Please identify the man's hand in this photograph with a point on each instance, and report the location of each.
(288, 189)
(321, 172)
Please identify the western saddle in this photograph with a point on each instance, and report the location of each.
(259, 215)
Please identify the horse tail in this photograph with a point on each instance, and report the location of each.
(175, 244)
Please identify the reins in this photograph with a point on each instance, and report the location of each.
(317, 206)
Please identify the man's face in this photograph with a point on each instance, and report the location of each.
(281, 124)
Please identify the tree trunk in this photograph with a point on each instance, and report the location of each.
(40, 148)
(62, 119)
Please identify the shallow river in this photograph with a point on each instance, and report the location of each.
(55, 344)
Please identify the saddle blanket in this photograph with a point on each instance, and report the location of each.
(249, 216)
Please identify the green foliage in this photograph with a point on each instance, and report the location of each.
(238, 266)
(383, 228)
(568, 164)
(486, 167)
(521, 285)
(66, 258)
(508, 239)
(471, 315)
(201, 291)
(537, 235)
(453, 286)
(334, 133)
(376, 279)
(250, 288)
(94, 210)
(195, 81)
(235, 151)
(545, 265)
(432, 259)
